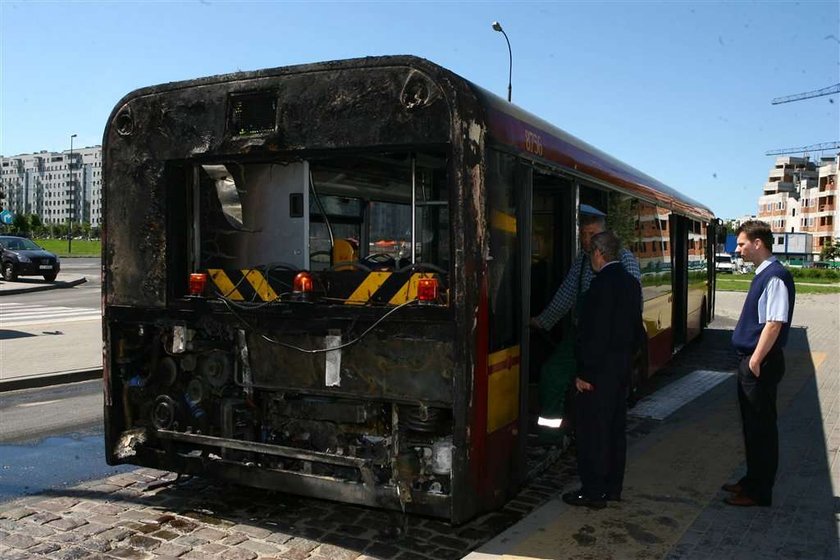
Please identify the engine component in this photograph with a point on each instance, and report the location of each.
(442, 456)
(424, 419)
(180, 335)
(167, 371)
(188, 362)
(215, 368)
(195, 390)
(315, 408)
(164, 412)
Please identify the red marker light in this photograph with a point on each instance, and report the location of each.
(427, 289)
(198, 280)
(303, 282)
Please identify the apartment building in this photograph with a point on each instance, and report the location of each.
(52, 186)
(800, 196)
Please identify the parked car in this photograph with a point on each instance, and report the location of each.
(23, 257)
(723, 263)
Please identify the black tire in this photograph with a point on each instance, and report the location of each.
(9, 272)
(50, 277)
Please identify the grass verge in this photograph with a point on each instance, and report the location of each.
(79, 247)
(743, 285)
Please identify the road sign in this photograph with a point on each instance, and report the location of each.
(7, 217)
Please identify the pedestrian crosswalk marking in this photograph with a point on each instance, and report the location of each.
(20, 315)
(667, 400)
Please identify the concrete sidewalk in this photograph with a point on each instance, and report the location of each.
(672, 504)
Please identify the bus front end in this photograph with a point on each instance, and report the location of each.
(279, 286)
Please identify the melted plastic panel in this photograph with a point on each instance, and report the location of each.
(395, 366)
(246, 218)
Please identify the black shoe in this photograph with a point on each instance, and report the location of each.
(735, 487)
(612, 497)
(579, 499)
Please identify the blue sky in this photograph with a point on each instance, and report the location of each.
(680, 90)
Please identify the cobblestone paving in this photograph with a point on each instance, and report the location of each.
(125, 516)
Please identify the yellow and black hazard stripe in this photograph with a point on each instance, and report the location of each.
(353, 287)
(386, 288)
(243, 285)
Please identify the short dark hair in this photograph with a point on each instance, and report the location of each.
(589, 219)
(608, 243)
(756, 229)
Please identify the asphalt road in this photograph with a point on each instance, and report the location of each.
(51, 437)
(84, 295)
(53, 331)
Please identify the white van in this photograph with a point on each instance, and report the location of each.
(723, 263)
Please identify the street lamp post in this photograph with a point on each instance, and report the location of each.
(498, 27)
(71, 201)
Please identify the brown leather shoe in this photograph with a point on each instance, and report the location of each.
(742, 500)
(735, 488)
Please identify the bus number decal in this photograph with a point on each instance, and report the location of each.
(533, 143)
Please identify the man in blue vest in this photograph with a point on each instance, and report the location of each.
(759, 337)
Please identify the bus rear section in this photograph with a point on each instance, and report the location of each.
(279, 287)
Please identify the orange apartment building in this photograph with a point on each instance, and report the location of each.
(800, 196)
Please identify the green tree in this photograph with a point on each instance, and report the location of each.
(36, 225)
(831, 250)
(21, 223)
(621, 218)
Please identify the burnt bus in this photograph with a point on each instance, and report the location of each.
(318, 278)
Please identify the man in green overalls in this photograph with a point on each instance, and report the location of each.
(558, 371)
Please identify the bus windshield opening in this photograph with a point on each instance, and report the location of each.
(323, 214)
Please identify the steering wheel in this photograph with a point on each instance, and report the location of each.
(327, 254)
(379, 260)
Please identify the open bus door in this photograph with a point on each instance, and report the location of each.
(717, 235)
(553, 246)
(679, 278)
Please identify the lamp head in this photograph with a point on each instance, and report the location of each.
(497, 26)
(73, 135)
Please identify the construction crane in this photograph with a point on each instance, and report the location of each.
(807, 95)
(805, 149)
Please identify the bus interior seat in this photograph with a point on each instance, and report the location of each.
(344, 251)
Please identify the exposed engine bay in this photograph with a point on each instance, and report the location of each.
(197, 392)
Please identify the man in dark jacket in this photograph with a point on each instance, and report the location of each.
(610, 333)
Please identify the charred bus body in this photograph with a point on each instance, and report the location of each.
(318, 278)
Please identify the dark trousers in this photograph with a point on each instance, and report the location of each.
(601, 422)
(757, 400)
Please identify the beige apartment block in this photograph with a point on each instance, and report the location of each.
(800, 196)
